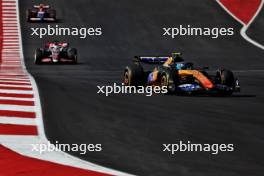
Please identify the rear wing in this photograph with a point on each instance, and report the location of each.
(45, 6)
(62, 44)
(151, 59)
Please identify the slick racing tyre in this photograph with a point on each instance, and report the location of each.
(52, 13)
(28, 15)
(38, 56)
(169, 78)
(134, 75)
(227, 78)
(72, 54)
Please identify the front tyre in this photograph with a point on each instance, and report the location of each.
(38, 56)
(28, 15)
(134, 75)
(226, 78)
(52, 14)
(72, 55)
(168, 78)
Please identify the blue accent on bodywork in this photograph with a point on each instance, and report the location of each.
(150, 77)
(153, 59)
(184, 66)
(40, 15)
(222, 87)
(189, 87)
(179, 66)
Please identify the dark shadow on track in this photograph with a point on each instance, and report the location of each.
(218, 96)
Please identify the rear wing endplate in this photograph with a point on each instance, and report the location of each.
(151, 59)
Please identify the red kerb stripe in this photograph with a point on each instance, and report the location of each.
(20, 114)
(17, 102)
(8, 129)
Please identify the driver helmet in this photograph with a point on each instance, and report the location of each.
(41, 7)
(177, 57)
(184, 66)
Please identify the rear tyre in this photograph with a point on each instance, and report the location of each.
(52, 14)
(134, 75)
(226, 77)
(72, 54)
(28, 15)
(38, 56)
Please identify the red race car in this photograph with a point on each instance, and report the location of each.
(56, 52)
(41, 13)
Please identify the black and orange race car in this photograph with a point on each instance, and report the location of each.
(179, 76)
(41, 13)
(56, 52)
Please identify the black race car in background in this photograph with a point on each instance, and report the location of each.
(179, 76)
(41, 13)
(56, 52)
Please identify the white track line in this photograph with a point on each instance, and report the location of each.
(9, 22)
(9, 15)
(14, 82)
(10, 56)
(245, 26)
(19, 74)
(10, 31)
(7, 3)
(17, 121)
(15, 98)
(8, 8)
(13, 76)
(12, 85)
(16, 91)
(9, 50)
(17, 108)
(8, 59)
(10, 40)
(14, 79)
(11, 28)
(10, 65)
(15, 37)
(8, 11)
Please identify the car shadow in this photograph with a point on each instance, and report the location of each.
(213, 96)
(46, 22)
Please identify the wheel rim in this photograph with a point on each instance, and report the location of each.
(163, 81)
(126, 78)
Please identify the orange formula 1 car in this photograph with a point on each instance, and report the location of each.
(179, 76)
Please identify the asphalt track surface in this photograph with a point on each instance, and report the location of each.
(132, 128)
